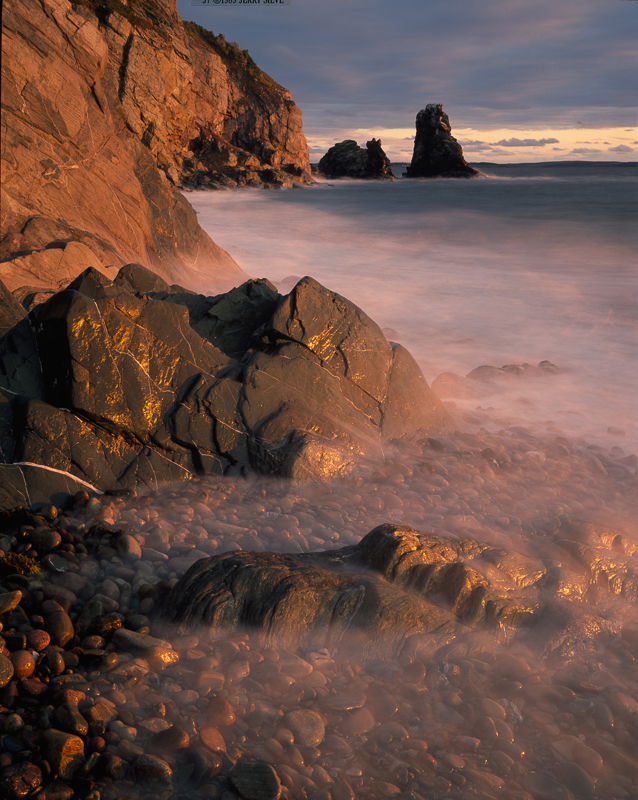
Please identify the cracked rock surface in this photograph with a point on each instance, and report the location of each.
(113, 384)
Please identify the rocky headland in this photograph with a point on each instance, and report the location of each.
(109, 108)
(437, 154)
(347, 160)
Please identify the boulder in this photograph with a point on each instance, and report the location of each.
(111, 384)
(347, 160)
(397, 582)
(437, 154)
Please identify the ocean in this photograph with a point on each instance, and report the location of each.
(528, 263)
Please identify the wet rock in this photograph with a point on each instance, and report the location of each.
(308, 727)
(64, 751)
(9, 601)
(395, 583)
(69, 718)
(255, 780)
(60, 627)
(171, 739)
(436, 151)
(45, 540)
(153, 769)
(23, 663)
(158, 650)
(38, 639)
(347, 160)
(220, 711)
(212, 738)
(20, 780)
(6, 670)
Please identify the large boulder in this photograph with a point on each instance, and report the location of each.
(395, 583)
(437, 154)
(347, 160)
(110, 384)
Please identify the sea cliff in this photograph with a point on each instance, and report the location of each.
(109, 108)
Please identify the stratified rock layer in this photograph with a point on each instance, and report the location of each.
(437, 154)
(395, 583)
(117, 383)
(107, 108)
(347, 160)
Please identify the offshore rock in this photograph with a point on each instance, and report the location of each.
(437, 154)
(347, 160)
(113, 384)
(108, 107)
(397, 582)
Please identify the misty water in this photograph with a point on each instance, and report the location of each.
(531, 263)
(526, 265)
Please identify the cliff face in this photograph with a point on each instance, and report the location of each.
(107, 108)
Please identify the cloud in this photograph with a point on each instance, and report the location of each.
(514, 142)
(583, 151)
(621, 148)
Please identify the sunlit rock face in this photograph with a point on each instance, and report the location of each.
(347, 160)
(398, 582)
(437, 154)
(132, 381)
(107, 109)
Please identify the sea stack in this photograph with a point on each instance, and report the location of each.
(437, 154)
(347, 160)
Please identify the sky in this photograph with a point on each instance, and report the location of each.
(520, 80)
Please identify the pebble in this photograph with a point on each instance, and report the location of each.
(64, 752)
(20, 780)
(6, 670)
(9, 601)
(152, 769)
(23, 663)
(212, 738)
(308, 727)
(255, 780)
(59, 626)
(38, 639)
(220, 712)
